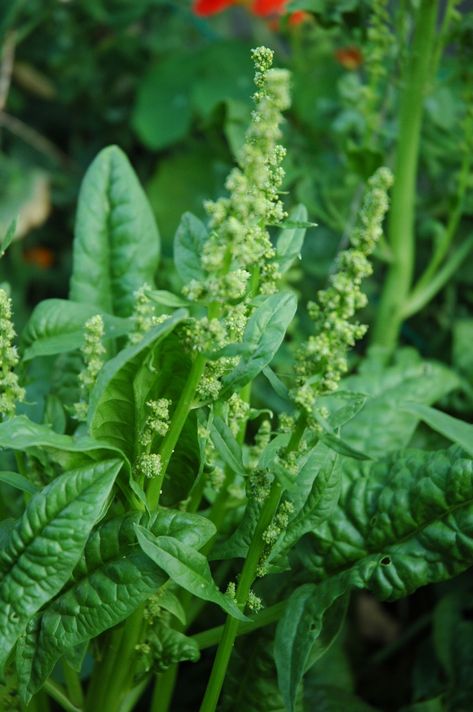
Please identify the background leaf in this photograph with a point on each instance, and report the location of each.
(381, 426)
(297, 631)
(452, 428)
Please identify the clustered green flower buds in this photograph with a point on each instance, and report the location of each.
(157, 423)
(254, 602)
(149, 465)
(238, 257)
(380, 44)
(238, 237)
(144, 316)
(93, 352)
(322, 360)
(10, 390)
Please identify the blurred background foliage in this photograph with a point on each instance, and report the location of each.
(172, 87)
(170, 83)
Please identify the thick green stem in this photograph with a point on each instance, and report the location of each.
(163, 690)
(443, 244)
(73, 685)
(402, 214)
(247, 577)
(113, 679)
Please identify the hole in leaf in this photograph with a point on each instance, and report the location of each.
(385, 561)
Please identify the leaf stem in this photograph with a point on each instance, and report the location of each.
(56, 691)
(247, 577)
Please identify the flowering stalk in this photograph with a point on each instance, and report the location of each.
(10, 390)
(401, 235)
(238, 240)
(321, 363)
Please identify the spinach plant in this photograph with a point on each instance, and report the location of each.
(149, 490)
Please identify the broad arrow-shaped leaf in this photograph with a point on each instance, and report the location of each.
(116, 245)
(113, 577)
(46, 543)
(381, 426)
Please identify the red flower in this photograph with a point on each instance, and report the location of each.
(349, 57)
(268, 7)
(298, 17)
(42, 257)
(211, 7)
(261, 8)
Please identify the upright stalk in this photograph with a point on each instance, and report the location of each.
(177, 423)
(247, 578)
(401, 222)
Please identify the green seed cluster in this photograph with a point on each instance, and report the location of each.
(93, 353)
(379, 47)
(254, 602)
(157, 422)
(322, 361)
(10, 390)
(238, 257)
(144, 316)
(238, 236)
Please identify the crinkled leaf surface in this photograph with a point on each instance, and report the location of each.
(46, 543)
(116, 245)
(111, 580)
(321, 472)
(57, 326)
(187, 567)
(400, 523)
(263, 336)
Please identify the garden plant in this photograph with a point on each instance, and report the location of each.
(200, 473)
